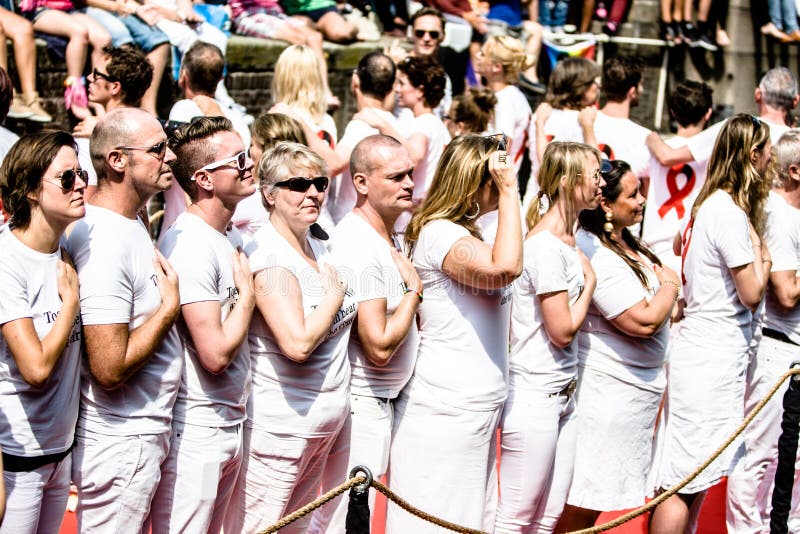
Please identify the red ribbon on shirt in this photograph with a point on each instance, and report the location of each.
(686, 240)
(677, 194)
(607, 150)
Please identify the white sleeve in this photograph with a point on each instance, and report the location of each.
(617, 287)
(361, 271)
(702, 144)
(778, 238)
(14, 304)
(547, 270)
(259, 255)
(354, 132)
(731, 236)
(184, 111)
(197, 270)
(435, 241)
(106, 287)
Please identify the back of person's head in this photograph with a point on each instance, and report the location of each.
(570, 80)
(732, 169)
(689, 102)
(427, 12)
(204, 65)
(473, 109)
(283, 161)
(561, 171)
(131, 68)
(193, 149)
(365, 157)
(297, 81)
(6, 93)
(376, 73)
(461, 171)
(779, 88)
(787, 154)
(427, 74)
(510, 54)
(22, 170)
(620, 74)
(270, 128)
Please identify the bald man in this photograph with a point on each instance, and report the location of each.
(129, 302)
(383, 345)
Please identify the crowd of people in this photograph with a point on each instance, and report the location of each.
(397, 296)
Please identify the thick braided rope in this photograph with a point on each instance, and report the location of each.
(310, 507)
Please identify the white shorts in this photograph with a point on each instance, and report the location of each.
(116, 477)
(197, 478)
(614, 446)
(36, 500)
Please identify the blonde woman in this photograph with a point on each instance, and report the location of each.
(550, 302)
(725, 272)
(446, 417)
(500, 61)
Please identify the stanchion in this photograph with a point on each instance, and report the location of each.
(787, 455)
(358, 520)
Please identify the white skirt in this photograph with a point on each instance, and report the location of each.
(614, 451)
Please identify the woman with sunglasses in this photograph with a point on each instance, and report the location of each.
(550, 302)
(726, 267)
(446, 417)
(40, 334)
(298, 344)
(621, 350)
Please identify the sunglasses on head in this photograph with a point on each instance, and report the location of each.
(240, 158)
(157, 151)
(419, 34)
(67, 178)
(501, 138)
(605, 165)
(301, 185)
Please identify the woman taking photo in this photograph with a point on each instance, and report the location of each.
(725, 271)
(621, 349)
(446, 417)
(551, 299)
(298, 344)
(42, 190)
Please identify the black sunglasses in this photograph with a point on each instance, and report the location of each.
(157, 151)
(67, 178)
(501, 138)
(96, 74)
(419, 34)
(301, 185)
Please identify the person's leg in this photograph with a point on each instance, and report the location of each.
(55, 495)
(335, 28)
(159, 57)
(99, 37)
(24, 491)
(672, 515)
(59, 23)
(533, 46)
(120, 36)
(576, 518)
(20, 31)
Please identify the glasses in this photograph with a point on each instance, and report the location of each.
(240, 158)
(157, 151)
(67, 178)
(501, 138)
(97, 75)
(298, 184)
(419, 34)
(605, 166)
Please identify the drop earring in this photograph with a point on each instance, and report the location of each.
(608, 227)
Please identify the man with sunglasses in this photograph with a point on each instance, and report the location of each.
(217, 300)
(129, 302)
(383, 346)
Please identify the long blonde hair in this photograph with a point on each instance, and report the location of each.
(462, 169)
(510, 54)
(561, 159)
(298, 81)
(731, 169)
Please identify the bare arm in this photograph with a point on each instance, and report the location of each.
(37, 358)
(215, 341)
(541, 116)
(665, 154)
(116, 353)
(562, 321)
(751, 279)
(645, 318)
(280, 301)
(586, 118)
(416, 144)
(786, 288)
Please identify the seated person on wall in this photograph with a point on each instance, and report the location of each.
(324, 16)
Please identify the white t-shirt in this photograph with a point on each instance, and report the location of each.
(437, 135)
(512, 116)
(7, 140)
(463, 351)
(185, 110)
(250, 215)
(405, 114)
(702, 144)
(85, 159)
(342, 193)
(203, 260)
(366, 262)
(36, 421)
(719, 241)
(549, 266)
(670, 197)
(782, 236)
(623, 139)
(775, 130)
(603, 346)
(114, 259)
(302, 399)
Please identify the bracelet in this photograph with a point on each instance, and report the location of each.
(407, 290)
(674, 283)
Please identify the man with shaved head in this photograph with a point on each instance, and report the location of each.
(129, 302)
(383, 345)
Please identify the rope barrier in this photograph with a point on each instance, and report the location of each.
(354, 481)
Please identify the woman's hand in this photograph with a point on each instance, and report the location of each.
(502, 171)
(589, 277)
(542, 114)
(67, 282)
(407, 271)
(331, 282)
(587, 116)
(665, 275)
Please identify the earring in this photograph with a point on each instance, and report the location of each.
(608, 227)
(472, 216)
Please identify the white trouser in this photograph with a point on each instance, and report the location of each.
(538, 449)
(36, 500)
(751, 482)
(182, 36)
(197, 478)
(279, 474)
(116, 477)
(443, 461)
(367, 443)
